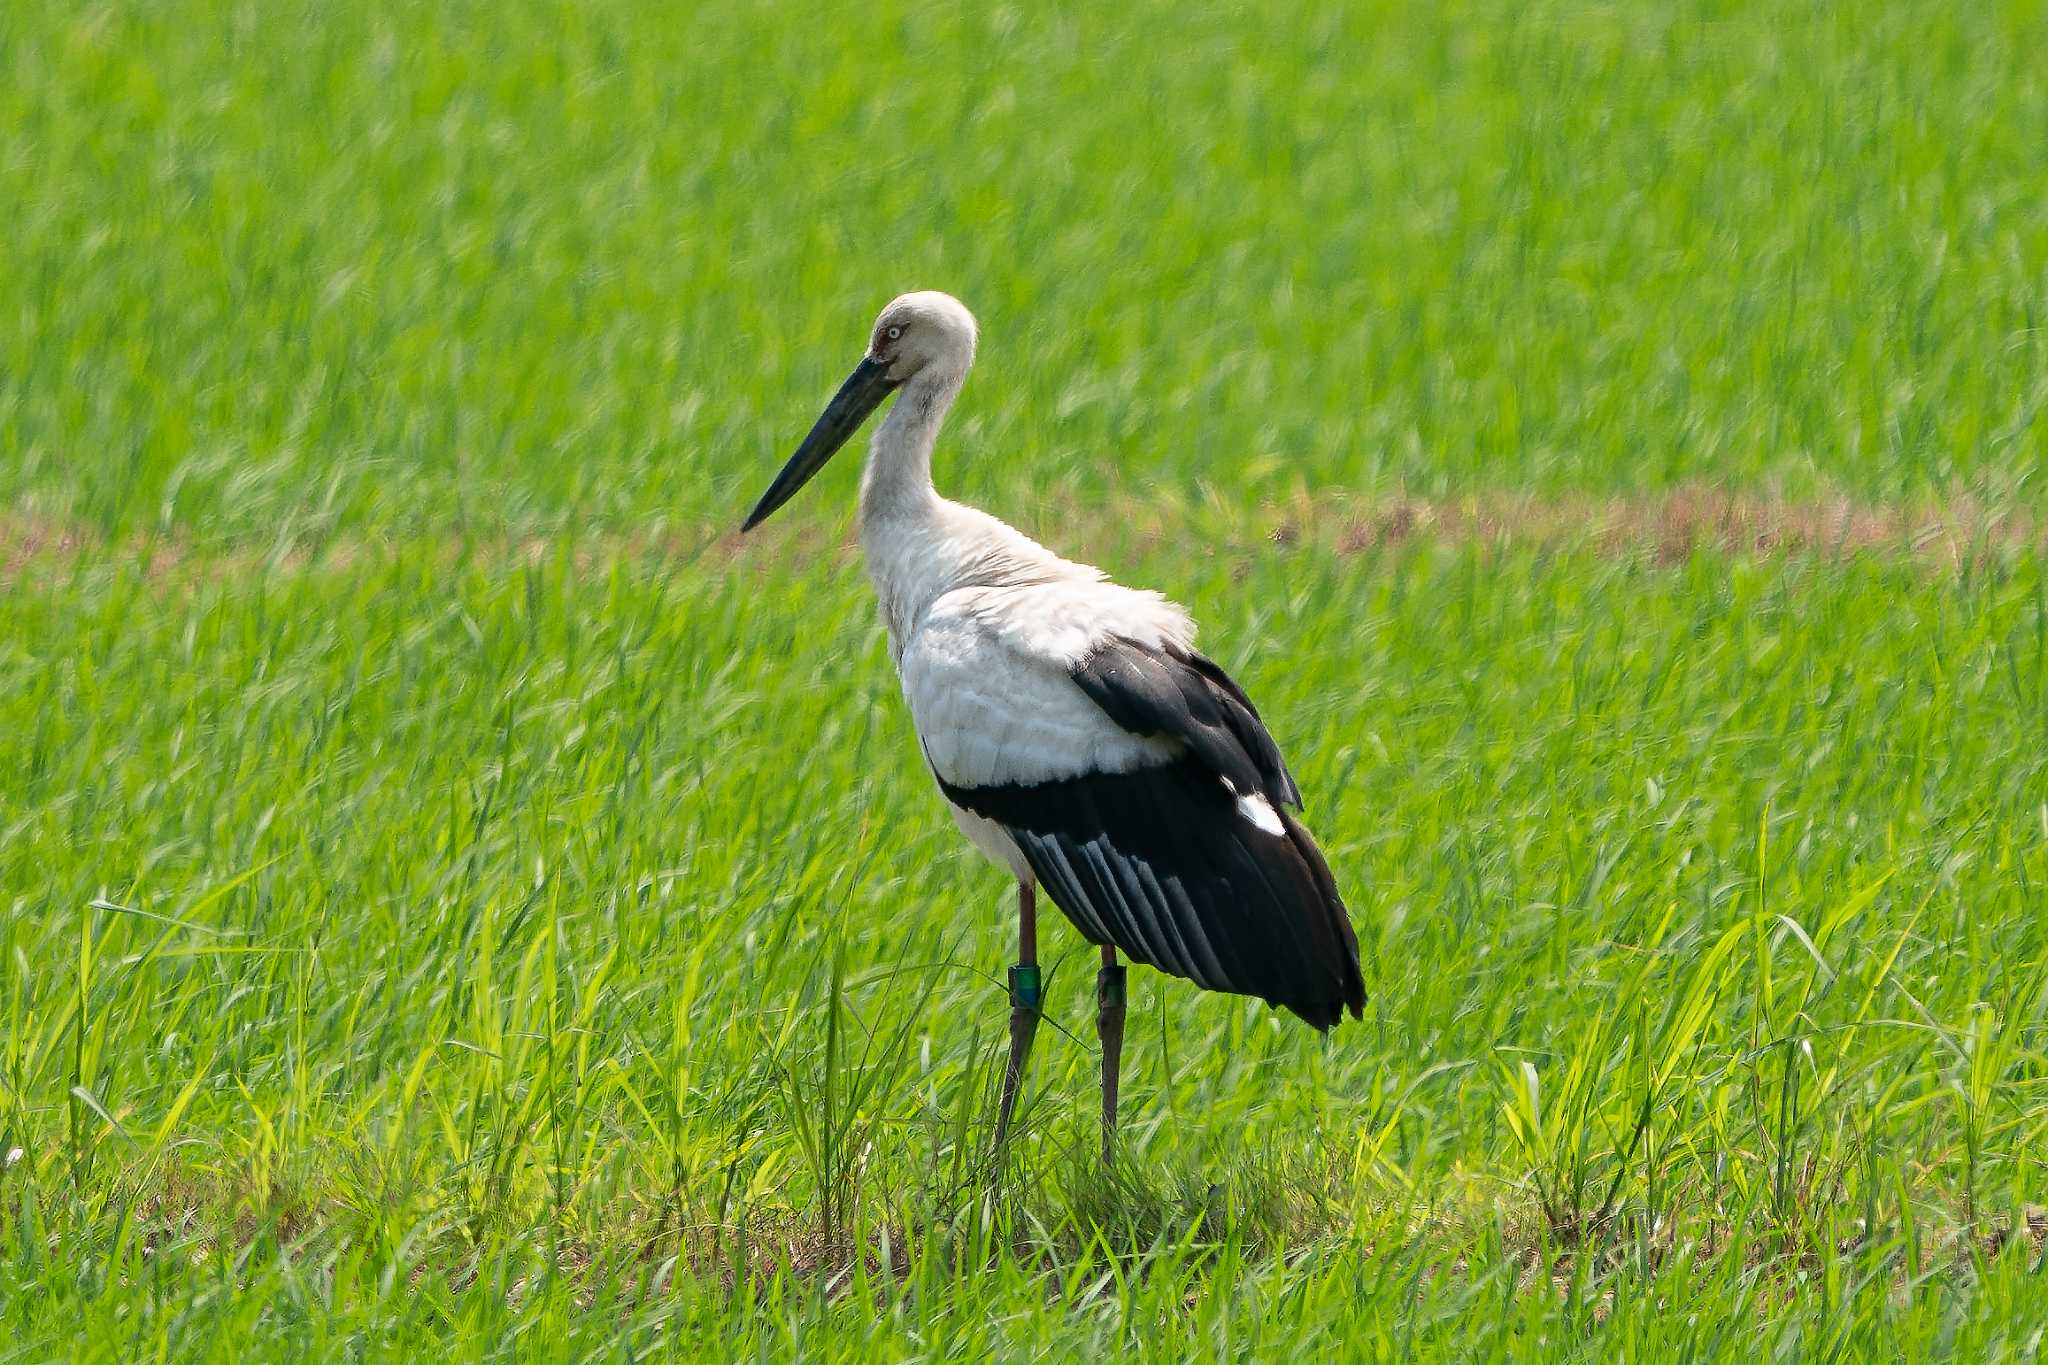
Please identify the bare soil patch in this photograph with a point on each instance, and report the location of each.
(1667, 527)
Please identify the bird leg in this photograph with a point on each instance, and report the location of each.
(1109, 1023)
(1026, 1000)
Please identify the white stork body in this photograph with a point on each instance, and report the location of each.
(1079, 739)
(987, 668)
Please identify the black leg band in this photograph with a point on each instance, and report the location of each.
(1109, 988)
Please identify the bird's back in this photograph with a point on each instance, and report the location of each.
(1037, 600)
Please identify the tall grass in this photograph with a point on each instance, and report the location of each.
(572, 951)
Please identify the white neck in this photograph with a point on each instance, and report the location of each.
(897, 479)
(918, 545)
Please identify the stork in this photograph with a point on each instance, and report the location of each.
(1082, 743)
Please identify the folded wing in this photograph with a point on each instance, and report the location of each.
(1158, 814)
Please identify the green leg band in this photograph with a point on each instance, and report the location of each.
(1026, 991)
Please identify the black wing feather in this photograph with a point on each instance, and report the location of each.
(1161, 864)
(1245, 724)
(1179, 694)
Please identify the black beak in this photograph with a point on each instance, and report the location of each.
(860, 395)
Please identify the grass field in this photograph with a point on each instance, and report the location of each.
(456, 899)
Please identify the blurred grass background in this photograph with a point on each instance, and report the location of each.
(450, 904)
(402, 266)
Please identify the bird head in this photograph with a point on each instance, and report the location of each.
(925, 330)
(926, 334)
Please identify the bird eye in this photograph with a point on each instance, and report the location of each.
(895, 333)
